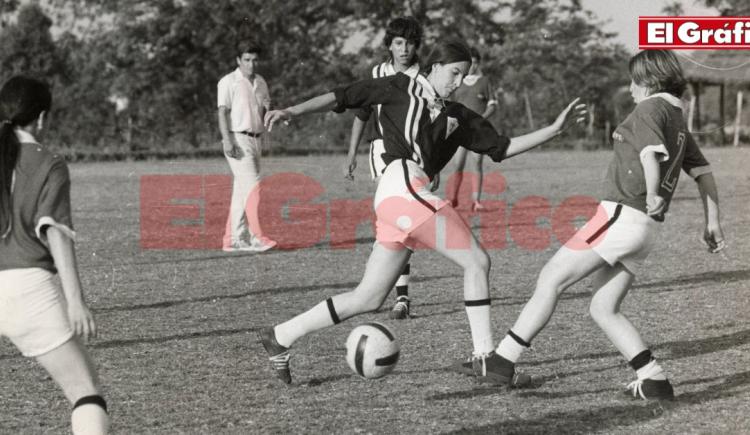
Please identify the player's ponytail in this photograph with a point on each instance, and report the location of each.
(22, 100)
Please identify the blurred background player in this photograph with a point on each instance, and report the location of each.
(36, 242)
(421, 132)
(476, 93)
(651, 147)
(243, 100)
(403, 37)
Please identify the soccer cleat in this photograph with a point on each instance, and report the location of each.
(650, 389)
(478, 207)
(278, 354)
(400, 311)
(493, 369)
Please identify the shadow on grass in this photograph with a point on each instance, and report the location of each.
(610, 417)
(278, 290)
(699, 278)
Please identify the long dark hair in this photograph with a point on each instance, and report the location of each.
(449, 50)
(22, 99)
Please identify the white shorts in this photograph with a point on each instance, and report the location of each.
(403, 202)
(33, 311)
(377, 165)
(619, 234)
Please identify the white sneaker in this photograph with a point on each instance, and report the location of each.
(262, 244)
(239, 246)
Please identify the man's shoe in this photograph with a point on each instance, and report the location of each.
(493, 369)
(277, 354)
(239, 246)
(400, 311)
(650, 389)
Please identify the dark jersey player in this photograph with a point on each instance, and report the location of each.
(421, 132)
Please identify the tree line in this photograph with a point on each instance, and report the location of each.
(134, 76)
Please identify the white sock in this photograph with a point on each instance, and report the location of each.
(318, 317)
(481, 332)
(510, 349)
(652, 370)
(89, 419)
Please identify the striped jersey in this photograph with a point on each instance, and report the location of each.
(419, 126)
(655, 124)
(374, 129)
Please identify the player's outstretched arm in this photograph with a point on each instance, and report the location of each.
(321, 103)
(573, 114)
(712, 235)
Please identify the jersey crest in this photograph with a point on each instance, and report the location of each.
(451, 124)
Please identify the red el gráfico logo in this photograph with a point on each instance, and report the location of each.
(692, 33)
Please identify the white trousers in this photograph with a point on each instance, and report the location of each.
(242, 222)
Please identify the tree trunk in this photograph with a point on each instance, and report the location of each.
(527, 103)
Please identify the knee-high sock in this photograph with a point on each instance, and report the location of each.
(402, 285)
(478, 312)
(512, 346)
(318, 317)
(89, 416)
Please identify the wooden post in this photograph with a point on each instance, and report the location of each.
(691, 113)
(721, 114)
(698, 106)
(590, 126)
(529, 114)
(738, 119)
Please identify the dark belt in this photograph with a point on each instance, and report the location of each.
(248, 133)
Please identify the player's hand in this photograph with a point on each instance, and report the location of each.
(275, 115)
(573, 114)
(435, 184)
(81, 320)
(713, 237)
(655, 205)
(349, 170)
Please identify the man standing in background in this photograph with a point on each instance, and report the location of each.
(243, 100)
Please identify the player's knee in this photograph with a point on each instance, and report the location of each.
(549, 283)
(600, 311)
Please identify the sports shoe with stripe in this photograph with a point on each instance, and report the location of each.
(400, 311)
(650, 389)
(493, 369)
(277, 354)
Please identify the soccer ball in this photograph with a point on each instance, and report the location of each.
(372, 350)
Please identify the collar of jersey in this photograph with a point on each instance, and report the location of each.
(25, 137)
(430, 92)
(412, 71)
(669, 98)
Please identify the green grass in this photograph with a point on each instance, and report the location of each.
(177, 351)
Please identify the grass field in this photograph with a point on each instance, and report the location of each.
(177, 351)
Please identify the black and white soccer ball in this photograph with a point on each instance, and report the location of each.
(372, 350)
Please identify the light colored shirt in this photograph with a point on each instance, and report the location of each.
(246, 100)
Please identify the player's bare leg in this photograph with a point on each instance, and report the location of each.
(611, 285)
(71, 368)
